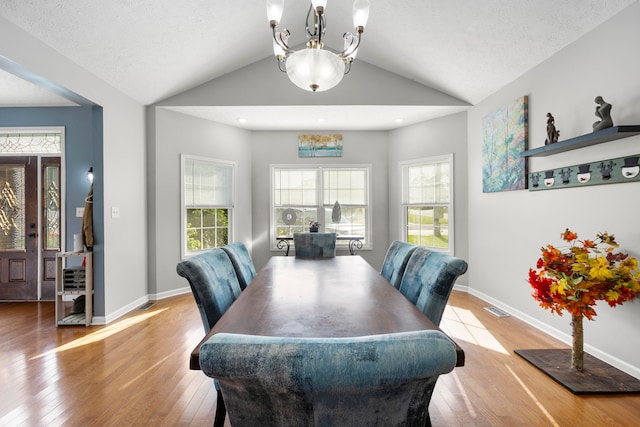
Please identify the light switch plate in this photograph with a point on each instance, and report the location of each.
(79, 212)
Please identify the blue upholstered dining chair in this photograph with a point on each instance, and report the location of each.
(215, 287)
(395, 261)
(242, 263)
(379, 380)
(428, 280)
(315, 244)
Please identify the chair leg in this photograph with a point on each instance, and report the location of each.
(221, 411)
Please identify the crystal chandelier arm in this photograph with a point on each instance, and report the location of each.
(319, 25)
(352, 42)
(280, 42)
(347, 67)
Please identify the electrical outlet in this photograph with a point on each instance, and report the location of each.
(115, 212)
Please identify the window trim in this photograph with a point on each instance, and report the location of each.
(367, 245)
(184, 253)
(403, 165)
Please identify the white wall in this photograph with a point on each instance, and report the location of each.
(447, 135)
(506, 230)
(243, 88)
(282, 148)
(175, 134)
(123, 173)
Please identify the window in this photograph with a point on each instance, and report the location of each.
(302, 195)
(427, 209)
(31, 141)
(207, 203)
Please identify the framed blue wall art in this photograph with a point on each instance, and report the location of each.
(504, 137)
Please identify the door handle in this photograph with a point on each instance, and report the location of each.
(33, 235)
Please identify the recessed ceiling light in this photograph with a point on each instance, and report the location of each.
(321, 120)
(399, 120)
(242, 120)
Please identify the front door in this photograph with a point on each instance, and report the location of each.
(18, 228)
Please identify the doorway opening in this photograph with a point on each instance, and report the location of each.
(31, 211)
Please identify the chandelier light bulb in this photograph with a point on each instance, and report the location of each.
(274, 11)
(319, 3)
(360, 13)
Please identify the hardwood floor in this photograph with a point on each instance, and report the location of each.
(134, 372)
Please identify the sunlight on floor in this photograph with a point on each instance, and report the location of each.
(149, 369)
(462, 324)
(465, 398)
(546, 413)
(102, 333)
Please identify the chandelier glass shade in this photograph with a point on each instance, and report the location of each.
(314, 68)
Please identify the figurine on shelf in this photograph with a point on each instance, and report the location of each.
(603, 111)
(552, 133)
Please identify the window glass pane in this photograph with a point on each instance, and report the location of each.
(208, 217)
(207, 183)
(295, 187)
(208, 238)
(310, 180)
(12, 208)
(428, 226)
(194, 218)
(348, 186)
(353, 220)
(209, 229)
(222, 236)
(52, 208)
(428, 183)
(31, 143)
(222, 217)
(194, 239)
(301, 224)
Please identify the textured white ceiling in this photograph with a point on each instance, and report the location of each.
(152, 49)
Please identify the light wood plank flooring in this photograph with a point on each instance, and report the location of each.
(134, 372)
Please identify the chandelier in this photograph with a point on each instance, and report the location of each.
(316, 69)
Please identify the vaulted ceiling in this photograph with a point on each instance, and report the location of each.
(154, 49)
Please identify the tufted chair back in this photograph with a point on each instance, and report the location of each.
(213, 282)
(395, 261)
(315, 244)
(215, 287)
(242, 263)
(381, 380)
(428, 280)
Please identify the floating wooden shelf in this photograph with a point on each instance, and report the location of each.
(604, 135)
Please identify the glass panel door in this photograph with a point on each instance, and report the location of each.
(18, 228)
(12, 208)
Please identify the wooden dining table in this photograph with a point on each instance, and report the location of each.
(341, 296)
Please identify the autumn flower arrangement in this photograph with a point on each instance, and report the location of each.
(574, 278)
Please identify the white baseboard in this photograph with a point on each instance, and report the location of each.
(102, 320)
(553, 332)
(168, 294)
